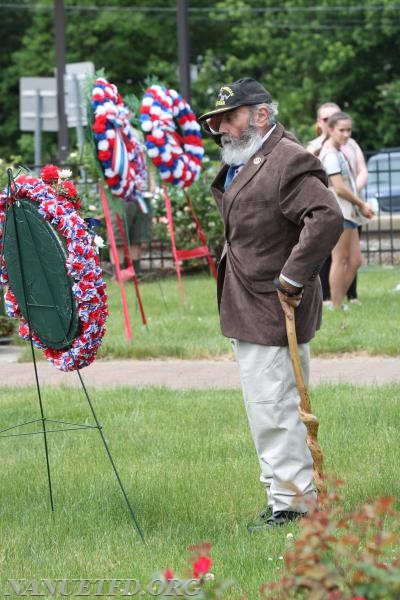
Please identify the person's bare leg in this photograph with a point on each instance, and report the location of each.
(346, 258)
(135, 251)
(355, 258)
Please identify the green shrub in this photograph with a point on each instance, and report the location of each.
(340, 556)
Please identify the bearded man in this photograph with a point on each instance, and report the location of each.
(281, 222)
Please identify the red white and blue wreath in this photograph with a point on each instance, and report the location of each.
(58, 202)
(118, 151)
(173, 136)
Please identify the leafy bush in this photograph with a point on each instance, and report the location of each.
(340, 556)
(6, 324)
(13, 164)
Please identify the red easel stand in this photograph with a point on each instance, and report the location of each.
(198, 252)
(131, 267)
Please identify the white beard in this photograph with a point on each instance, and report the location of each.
(236, 151)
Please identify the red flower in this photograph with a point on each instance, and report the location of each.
(112, 180)
(58, 211)
(100, 123)
(104, 155)
(68, 189)
(24, 330)
(168, 574)
(49, 173)
(201, 566)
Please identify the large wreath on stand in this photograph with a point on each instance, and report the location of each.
(57, 202)
(118, 151)
(173, 136)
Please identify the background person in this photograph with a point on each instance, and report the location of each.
(321, 126)
(346, 255)
(355, 157)
(137, 229)
(280, 222)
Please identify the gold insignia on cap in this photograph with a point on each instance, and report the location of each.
(224, 93)
(257, 160)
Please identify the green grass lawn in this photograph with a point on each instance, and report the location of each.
(192, 330)
(189, 468)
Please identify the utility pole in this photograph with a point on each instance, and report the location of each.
(183, 48)
(59, 29)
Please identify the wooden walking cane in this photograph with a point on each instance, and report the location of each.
(309, 420)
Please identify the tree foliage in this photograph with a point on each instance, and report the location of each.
(304, 52)
(308, 53)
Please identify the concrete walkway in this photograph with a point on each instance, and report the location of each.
(186, 374)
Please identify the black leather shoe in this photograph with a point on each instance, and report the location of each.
(283, 516)
(276, 519)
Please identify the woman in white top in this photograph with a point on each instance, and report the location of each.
(346, 256)
(355, 156)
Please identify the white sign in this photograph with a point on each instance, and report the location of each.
(75, 79)
(38, 104)
(38, 99)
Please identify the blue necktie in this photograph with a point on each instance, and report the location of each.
(230, 174)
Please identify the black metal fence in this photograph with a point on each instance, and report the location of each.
(380, 239)
(380, 244)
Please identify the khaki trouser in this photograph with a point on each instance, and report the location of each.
(272, 400)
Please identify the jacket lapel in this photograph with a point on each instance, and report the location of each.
(227, 198)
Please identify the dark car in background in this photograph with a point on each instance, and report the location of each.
(383, 187)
